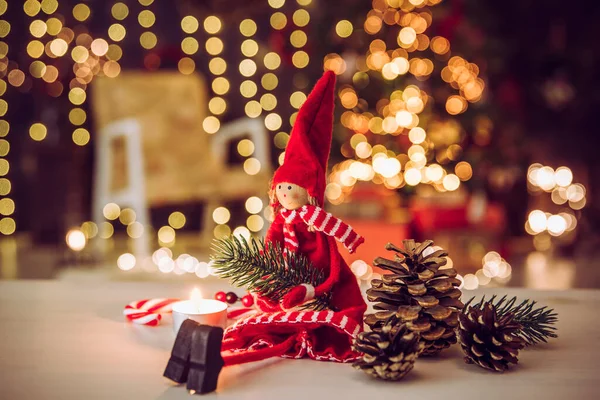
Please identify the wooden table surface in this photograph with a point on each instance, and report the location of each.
(68, 340)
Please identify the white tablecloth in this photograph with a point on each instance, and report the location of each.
(68, 340)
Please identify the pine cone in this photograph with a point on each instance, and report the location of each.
(487, 340)
(388, 353)
(419, 293)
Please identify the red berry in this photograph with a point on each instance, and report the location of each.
(231, 297)
(221, 296)
(248, 300)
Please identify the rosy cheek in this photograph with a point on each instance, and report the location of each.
(295, 196)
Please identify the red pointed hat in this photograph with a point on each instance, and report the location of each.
(307, 152)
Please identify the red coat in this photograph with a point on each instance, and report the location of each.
(324, 335)
(323, 253)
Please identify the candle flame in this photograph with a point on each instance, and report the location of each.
(196, 296)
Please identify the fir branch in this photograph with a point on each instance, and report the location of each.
(537, 323)
(267, 270)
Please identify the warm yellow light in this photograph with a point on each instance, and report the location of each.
(214, 46)
(300, 59)
(456, 105)
(407, 36)
(211, 125)
(404, 118)
(81, 12)
(126, 262)
(248, 89)
(177, 220)
(344, 28)
(59, 47)
(253, 109)
(556, 225)
(77, 116)
(217, 105)
(189, 45)
(148, 40)
(89, 229)
(242, 231)
(81, 136)
(7, 206)
(111, 211)
(212, 24)
(220, 85)
(5, 186)
(255, 223)
(105, 230)
(272, 61)
(119, 11)
(268, 101)
(301, 17)
(38, 28)
(247, 67)
(298, 38)
(252, 166)
(99, 47)
(166, 234)
(31, 7)
(117, 32)
(463, 170)
(281, 139)
(273, 121)
(114, 52)
(135, 230)
(278, 20)
(297, 99)
(127, 216)
(221, 215)
(77, 96)
(35, 49)
(146, 18)
(249, 48)
(4, 168)
(217, 66)
(451, 182)
(417, 135)
(412, 176)
(76, 240)
(537, 221)
(7, 226)
(563, 176)
(269, 81)
(187, 66)
(38, 131)
(248, 27)
(276, 3)
(254, 205)
(54, 26)
(221, 231)
(49, 6)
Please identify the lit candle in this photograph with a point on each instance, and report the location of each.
(204, 311)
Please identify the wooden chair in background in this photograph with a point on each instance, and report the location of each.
(151, 149)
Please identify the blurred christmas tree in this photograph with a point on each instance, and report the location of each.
(413, 109)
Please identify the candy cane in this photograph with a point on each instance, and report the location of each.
(148, 311)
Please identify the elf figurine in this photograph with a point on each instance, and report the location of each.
(301, 225)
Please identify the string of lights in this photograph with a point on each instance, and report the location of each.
(7, 205)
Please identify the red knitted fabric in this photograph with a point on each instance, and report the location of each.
(321, 221)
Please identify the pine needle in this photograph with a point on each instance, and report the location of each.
(267, 270)
(537, 323)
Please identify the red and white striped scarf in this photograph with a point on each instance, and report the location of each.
(321, 221)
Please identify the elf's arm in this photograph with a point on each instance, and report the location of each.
(306, 292)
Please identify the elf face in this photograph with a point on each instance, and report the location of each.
(291, 196)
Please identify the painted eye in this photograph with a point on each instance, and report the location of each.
(279, 187)
(289, 188)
